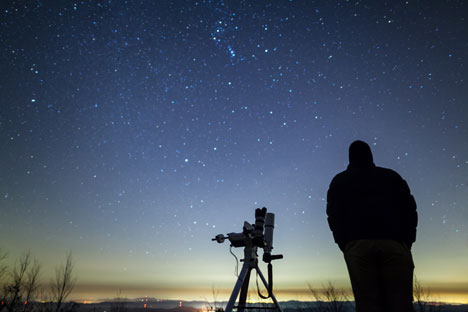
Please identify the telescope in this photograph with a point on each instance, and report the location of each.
(258, 235)
(252, 237)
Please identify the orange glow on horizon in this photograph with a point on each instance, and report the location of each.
(454, 293)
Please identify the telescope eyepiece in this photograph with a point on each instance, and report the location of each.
(260, 212)
(259, 227)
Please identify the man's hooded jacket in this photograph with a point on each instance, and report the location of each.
(369, 202)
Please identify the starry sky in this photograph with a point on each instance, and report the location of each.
(132, 132)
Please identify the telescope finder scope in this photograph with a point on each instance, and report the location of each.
(269, 228)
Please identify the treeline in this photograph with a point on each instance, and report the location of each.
(23, 290)
(332, 299)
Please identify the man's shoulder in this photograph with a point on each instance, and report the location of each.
(352, 174)
(341, 178)
(388, 172)
(343, 174)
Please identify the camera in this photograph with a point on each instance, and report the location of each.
(260, 234)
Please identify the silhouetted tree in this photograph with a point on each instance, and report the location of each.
(215, 292)
(64, 282)
(119, 304)
(423, 298)
(3, 266)
(329, 299)
(3, 276)
(15, 288)
(31, 284)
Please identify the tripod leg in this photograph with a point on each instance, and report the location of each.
(267, 287)
(244, 291)
(240, 282)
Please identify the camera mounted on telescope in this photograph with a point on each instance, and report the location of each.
(260, 234)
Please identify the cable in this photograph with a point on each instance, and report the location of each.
(258, 289)
(236, 271)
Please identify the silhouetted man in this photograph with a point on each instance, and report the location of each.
(373, 218)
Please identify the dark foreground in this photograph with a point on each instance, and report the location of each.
(156, 305)
(153, 305)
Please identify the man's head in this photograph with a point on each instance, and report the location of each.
(360, 155)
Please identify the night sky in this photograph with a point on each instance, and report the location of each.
(132, 132)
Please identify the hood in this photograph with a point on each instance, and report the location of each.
(360, 155)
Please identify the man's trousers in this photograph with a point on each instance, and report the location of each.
(381, 273)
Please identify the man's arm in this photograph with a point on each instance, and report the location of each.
(409, 213)
(335, 215)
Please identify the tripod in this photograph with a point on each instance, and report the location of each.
(242, 284)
